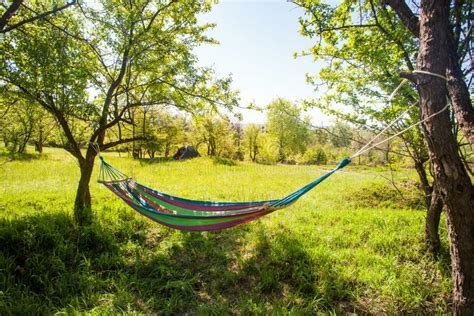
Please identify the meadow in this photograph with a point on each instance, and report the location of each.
(352, 245)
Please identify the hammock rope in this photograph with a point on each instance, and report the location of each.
(366, 147)
(195, 215)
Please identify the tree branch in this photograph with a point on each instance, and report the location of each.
(157, 13)
(114, 85)
(9, 13)
(121, 141)
(410, 76)
(404, 12)
(49, 106)
(192, 94)
(36, 17)
(400, 45)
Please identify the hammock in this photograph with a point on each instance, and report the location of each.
(185, 214)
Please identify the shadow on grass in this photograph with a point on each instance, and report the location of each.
(224, 161)
(131, 265)
(223, 272)
(145, 161)
(22, 156)
(50, 264)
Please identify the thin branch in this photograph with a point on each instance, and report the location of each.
(38, 16)
(49, 106)
(193, 94)
(343, 27)
(157, 13)
(121, 141)
(9, 13)
(384, 31)
(409, 19)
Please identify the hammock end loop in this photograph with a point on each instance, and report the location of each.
(344, 163)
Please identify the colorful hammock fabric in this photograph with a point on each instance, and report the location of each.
(185, 214)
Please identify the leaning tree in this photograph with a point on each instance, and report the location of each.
(379, 39)
(91, 66)
(453, 182)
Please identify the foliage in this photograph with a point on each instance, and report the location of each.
(340, 135)
(155, 67)
(253, 134)
(216, 133)
(364, 54)
(315, 155)
(164, 131)
(284, 125)
(22, 122)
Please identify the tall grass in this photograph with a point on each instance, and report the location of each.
(354, 244)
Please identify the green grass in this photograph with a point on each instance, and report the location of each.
(351, 245)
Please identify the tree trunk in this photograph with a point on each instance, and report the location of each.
(433, 216)
(459, 94)
(452, 180)
(82, 204)
(434, 207)
(39, 141)
(167, 149)
(457, 88)
(387, 154)
(22, 147)
(24, 142)
(425, 184)
(134, 150)
(281, 155)
(38, 147)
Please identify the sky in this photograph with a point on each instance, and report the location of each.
(257, 41)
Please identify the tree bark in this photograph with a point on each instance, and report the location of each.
(167, 149)
(39, 141)
(459, 95)
(425, 184)
(453, 182)
(434, 207)
(457, 88)
(82, 204)
(433, 216)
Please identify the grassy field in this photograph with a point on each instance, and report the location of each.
(353, 244)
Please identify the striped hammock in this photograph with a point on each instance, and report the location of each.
(185, 214)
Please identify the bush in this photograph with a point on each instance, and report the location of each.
(405, 195)
(224, 161)
(268, 152)
(315, 156)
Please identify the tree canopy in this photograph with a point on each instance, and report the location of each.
(91, 66)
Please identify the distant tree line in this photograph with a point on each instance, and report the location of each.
(285, 137)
